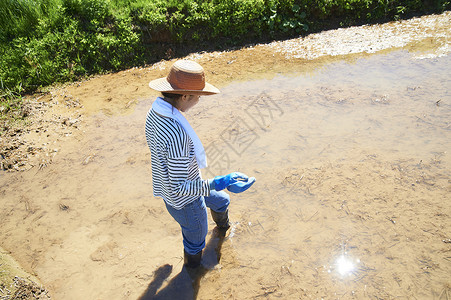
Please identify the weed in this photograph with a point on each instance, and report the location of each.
(48, 41)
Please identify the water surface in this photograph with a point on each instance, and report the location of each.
(352, 195)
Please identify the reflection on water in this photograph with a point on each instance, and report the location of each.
(345, 265)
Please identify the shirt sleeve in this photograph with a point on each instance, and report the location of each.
(184, 175)
(179, 171)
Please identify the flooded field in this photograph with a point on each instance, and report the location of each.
(352, 199)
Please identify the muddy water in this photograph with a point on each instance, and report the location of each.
(352, 195)
(353, 191)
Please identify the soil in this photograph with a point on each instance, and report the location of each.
(76, 194)
(16, 283)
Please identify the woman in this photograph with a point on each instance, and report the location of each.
(177, 156)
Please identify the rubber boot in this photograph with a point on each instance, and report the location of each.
(192, 261)
(221, 219)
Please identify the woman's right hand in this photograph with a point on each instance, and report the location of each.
(221, 182)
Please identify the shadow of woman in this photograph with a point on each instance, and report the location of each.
(185, 285)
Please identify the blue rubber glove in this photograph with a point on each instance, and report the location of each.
(221, 182)
(241, 186)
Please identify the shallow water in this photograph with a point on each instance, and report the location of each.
(351, 200)
(352, 193)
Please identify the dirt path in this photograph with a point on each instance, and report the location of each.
(351, 162)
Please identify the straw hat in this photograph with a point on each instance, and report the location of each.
(185, 77)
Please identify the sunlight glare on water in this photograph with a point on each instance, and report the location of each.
(345, 265)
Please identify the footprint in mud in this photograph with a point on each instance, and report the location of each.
(105, 252)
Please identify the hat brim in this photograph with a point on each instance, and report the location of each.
(162, 85)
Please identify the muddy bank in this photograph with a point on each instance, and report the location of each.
(16, 283)
(350, 153)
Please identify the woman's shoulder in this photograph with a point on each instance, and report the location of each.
(166, 124)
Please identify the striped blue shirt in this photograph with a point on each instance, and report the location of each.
(175, 172)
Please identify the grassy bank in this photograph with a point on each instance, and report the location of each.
(48, 41)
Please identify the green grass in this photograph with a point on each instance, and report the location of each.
(48, 41)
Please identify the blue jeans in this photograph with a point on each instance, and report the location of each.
(193, 219)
